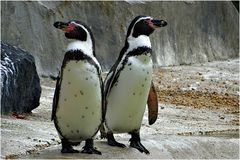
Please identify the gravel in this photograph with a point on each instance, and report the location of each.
(198, 118)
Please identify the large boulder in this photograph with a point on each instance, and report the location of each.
(197, 31)
(20, 84)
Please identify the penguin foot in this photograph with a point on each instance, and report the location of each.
(135, 142)
(139, 146)
(90, 150)
(67, 147)
(69, 150)
(115, 143)
(112, 142)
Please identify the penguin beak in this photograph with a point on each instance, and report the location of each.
(155, 23)
(159, 23)
(66, 27)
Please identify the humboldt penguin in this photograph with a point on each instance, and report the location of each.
(128, 86)
(78, 98)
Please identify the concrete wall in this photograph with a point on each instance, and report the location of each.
(196, 32)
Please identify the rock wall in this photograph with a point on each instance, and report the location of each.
(196, 31)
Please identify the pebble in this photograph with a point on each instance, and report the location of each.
(221, 117)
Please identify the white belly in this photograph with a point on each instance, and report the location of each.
(127, 100)
(79, 109)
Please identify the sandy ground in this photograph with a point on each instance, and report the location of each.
(198, 118)
(210, 85)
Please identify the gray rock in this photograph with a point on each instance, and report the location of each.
(196, 32)
(20, 84)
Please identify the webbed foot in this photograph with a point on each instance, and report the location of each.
(112, 142)
(136, 143)
(69, 150)
(67, 147)
(89, 149)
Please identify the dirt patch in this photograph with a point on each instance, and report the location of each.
(212, 85)
(199, 100)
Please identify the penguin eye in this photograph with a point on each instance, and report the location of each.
(72, 25)
(147, 21)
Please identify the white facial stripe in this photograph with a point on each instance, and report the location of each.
(138, 21)
(140, 41)
(143, 18)
(84, 46)
(80, 26)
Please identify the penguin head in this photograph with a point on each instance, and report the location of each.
(144, 25)
(79, 32)
(75, 30)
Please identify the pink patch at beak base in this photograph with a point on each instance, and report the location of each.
(150, 23)
(69, 28)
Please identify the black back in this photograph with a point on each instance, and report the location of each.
(140, 28)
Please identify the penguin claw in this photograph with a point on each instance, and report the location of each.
(69, 150)
(112, 142)
(115, 143)
(89, 150)
(139, 146)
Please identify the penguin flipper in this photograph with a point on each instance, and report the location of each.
(113, 74)
(56, 98)
(152, 103)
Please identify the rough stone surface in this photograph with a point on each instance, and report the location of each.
(20, 84)
(180, 132)
(196, 32)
